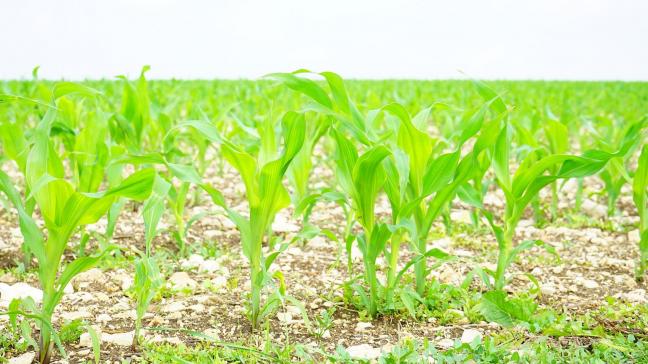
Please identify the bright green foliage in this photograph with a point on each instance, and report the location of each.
(421, 183)
(70, 141)
(65, 207)
(262, 175)
(362, 177)
(536, 171)
(615, 174)
(147, 274)
(640, 196)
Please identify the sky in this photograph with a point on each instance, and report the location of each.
(487, 39)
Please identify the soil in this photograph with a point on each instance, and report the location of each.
(594, 262)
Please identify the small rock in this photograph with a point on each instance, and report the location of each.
(284, 317)
(119, 339)
(19, 290)
(68, 289)
(470, 335)
(356, 254)
(174, 307)
(293, 309)
(547, 289)
(363, 326)
(219, 282)
(461, 216)
(127, 315)
(193, 261)
(199, 308)
(635, 296)
(363, 352)
(318, 242)
(281, 225)
(593, 209)
(443, 243)
(209, 266)
(449, 276)
(463, 253)
(85, 340)
(181, 280)
(94, 275)
(212, 235)
(590, 284)
(103, 318)
(75, 315)
(445, 343)
(26, 358)
(8, 278)
(212, 333)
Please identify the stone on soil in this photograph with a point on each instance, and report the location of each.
(363, 352)
(470, 335)
(181, 280)
(26, 358)
(119, 339)
(19, 290)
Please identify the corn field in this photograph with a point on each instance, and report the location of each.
(307, 218)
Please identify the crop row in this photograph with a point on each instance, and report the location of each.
(83, 153)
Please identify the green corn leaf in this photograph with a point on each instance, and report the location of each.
(67, 88)
(368, 179)
(154, 208)
(417, 144)
(488, 94)
(439, 172)
(30, 231)
(639, 188)
(307, 87)
(557, 135)
(347, 156)
(501, 158)
(338, 90)
(246, 165)
(96, 343)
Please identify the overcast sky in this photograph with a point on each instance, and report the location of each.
(513, 39)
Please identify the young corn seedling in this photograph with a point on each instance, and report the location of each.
(615, 174)
(148, 279)
(640, 197)
(362, 178)
(301, 167)
(557, 137)
(421, 184)
(534, 173)
(64, 209)
(262, 175)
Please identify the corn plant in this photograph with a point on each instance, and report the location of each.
(262, 175)
(556, 134)
(361, 177)
(423, 186)
(148, 279)
(534, 173)
(65, 207)
(615, 174)
(640, 197)
(301, 167)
